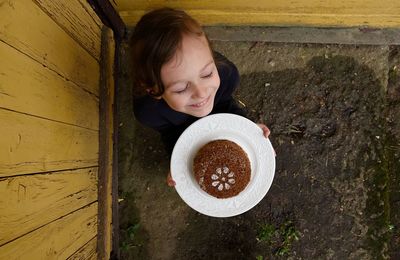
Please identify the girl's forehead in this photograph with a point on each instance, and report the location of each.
(189, 62)
(192, 56)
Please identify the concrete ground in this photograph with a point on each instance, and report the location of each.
(333, 112)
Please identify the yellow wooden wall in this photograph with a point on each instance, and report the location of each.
(49, 129)
(335, 13)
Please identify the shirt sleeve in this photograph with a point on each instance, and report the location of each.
(170, 136)
(230, 80)
(158, 116)
(146, 111)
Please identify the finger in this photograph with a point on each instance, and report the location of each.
(171, 183)
(267, 132)
(265, 129)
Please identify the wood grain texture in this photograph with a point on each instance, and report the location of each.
(29, 145)
(26, 86)
(295, 6)
(94, 257)
(88, 251)
(106, 144)
(57, 240)
(74, 19)
(29, 202)
(91, 12)
(27, 28)
(114, 4)
(384, 13)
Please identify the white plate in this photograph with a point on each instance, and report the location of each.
(239, 130)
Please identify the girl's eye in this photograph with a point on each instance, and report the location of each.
(182, 90)
(208, 75)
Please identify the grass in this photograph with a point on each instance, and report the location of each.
(266, 233)
(279, 238)
(131, 233)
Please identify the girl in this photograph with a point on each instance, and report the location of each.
(178, 77)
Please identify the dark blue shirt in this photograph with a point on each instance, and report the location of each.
(156, 114)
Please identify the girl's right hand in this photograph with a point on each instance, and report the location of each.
(170, 181)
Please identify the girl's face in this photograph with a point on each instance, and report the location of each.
(191, 78)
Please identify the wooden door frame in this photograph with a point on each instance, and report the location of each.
(109, 17)
(108, 137)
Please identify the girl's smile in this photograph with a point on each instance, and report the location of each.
(202, 103)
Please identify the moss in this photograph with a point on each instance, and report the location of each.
(279, 239)
(133, 237)
(383, 186)
(393, 153)
(378, 211)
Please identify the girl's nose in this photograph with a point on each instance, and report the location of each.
(200, 91)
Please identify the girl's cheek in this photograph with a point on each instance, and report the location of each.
(217, 81)
(182, 100)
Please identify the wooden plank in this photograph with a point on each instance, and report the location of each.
(109, 16)
(26, 86)
(73, 18)
(88, 251)
(29, 145)
(91, 12)
(295, 6)
(93, 257)
(106, 144)
(211, 17)
(255, 12)
(114, 4)
(29, 202)
(57, 240)
(24, 26)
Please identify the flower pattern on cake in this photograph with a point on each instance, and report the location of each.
(223, 178)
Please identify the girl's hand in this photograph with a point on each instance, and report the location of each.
(265, 129)
(266, 132)
(170, 181)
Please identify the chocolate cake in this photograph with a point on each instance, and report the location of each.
(222, 168)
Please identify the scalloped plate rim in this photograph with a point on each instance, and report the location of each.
(266, 172)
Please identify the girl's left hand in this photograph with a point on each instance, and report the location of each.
(170, 181)
(266, 132)
(265, 129)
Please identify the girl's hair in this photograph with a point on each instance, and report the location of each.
(155, 40)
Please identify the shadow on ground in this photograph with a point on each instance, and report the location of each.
(336, 189)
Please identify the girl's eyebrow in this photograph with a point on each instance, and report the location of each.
(173, 83)
(206, 65)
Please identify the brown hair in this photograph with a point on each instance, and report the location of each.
(155, 40)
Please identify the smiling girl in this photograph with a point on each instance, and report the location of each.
(179, 76)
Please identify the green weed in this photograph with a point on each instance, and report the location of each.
(266, 233)
(280, 238)
(131, 234)
(132, 230)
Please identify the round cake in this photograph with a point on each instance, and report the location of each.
(222, 168)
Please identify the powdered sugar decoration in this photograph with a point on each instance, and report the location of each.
(223, 178)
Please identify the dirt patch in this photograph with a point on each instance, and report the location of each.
(327, 134)
(393, 149)
(332, 112)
